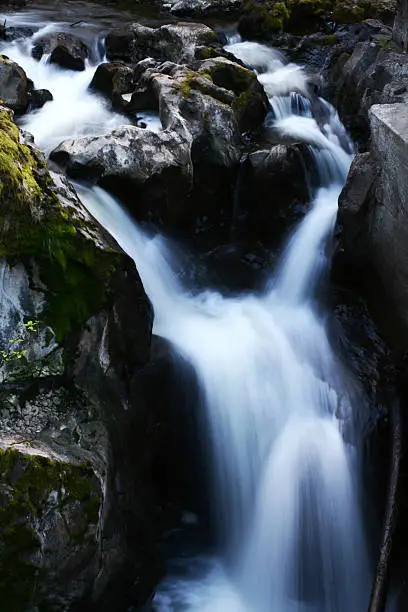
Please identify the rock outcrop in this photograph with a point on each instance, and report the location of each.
(78, 436)
(178, 42)
(182, 176)
(15, 87)
(65, 50)
(376, 72)
(17, 90)
(400, 31)
(273, 186)
(262, 20)
(372, 221)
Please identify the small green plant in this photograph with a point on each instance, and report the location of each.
(16, 350)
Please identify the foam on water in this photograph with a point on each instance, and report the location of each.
(282, 411)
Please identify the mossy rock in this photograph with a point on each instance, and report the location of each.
(33, 491)
(35, 225)
(263, 19)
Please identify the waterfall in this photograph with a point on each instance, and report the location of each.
(282, 411)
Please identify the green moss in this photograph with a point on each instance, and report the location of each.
(348, 11)
(34, 224)
(18, 181)
(29, 486)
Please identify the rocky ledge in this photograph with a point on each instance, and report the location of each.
(78, 437)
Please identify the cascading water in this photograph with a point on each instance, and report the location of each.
(281, 408)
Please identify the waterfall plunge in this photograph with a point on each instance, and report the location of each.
(280, 406)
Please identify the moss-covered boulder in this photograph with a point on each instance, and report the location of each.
(75, 335)
(263, 19)
(49, 514)
(181, 177)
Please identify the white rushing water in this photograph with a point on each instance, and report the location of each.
(281, 409)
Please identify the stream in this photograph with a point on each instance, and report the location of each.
(283, 415)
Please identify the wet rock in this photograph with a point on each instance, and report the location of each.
(11, 33)
(372, 237)
(64, 49)
(193, 159)
(113, 80)
(376, 72)
(75, 337)
(273, 187)
(201, 8)
(174, 42)
(400, 31)
(15, 87)
(39, 97)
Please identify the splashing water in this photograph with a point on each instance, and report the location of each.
(280, 406)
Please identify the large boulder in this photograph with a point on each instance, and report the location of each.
(78, 434)
(185, 172)
(178, 42)
(113, 80)
(15, 87)
(65, 50)
(147, 168)
(273, 185)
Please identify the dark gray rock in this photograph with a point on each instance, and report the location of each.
(273, 185)
(15, 87)
(65, 50)
(201, 8)
(78, 425)
(372, 229)
(174, 42)
(400, 31)
(113, 80)
(39, 97)
(172, 177)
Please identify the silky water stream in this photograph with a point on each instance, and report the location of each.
(283, 415)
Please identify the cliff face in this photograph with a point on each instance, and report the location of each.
(373, 211)
(77, 434)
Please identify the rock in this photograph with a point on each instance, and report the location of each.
(262, 20)
(15, 87)
(375, 73)
(39, 97)
(193, 158)
(372, 231)
(400, 31)
(129, 159)
(201, 8)
(174, 42)
(76, 491)
(273, 185)
(64, 49)
(10, 33)
(113, 80)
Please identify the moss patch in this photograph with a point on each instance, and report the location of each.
(34, 224)
(32, 487)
